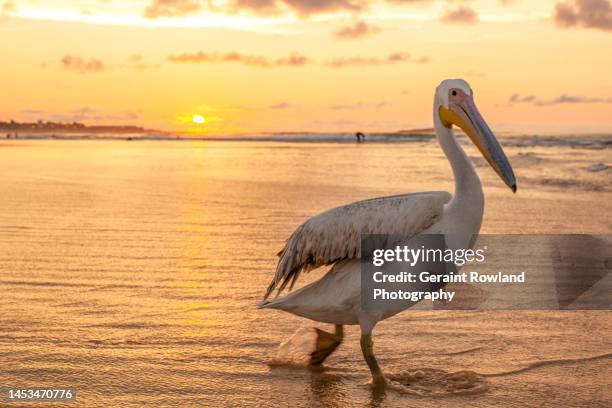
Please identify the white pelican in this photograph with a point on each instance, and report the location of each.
(333, 237)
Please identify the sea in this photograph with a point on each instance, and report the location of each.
(130, 271)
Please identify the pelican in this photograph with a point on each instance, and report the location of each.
(333, 237)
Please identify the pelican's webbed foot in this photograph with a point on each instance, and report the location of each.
(326, 344)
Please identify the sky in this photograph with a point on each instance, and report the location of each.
(254, 66)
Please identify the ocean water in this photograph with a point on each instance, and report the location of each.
(130, 271)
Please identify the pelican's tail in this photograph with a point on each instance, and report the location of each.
(299, 303)
(271, 303)
(281, 281)
(296, 299)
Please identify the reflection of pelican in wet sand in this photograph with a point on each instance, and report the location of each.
(333, 237)
(360, 137)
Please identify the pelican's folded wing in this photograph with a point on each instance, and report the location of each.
(336, 234)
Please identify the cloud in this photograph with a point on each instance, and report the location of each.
(281, 105)
(31, 112)
(585, 13)
(408, 1)
(171, 8)
(391, 59)
(307, 7)
(570, 99)
(85, 110)
(293, 60)
(81, 65)
(8, 7)
(516, 98)
(257, 6)
(137, 62)
(303, 8)
(77, 64)
(461, 14)
(358, 30)
(563, 99)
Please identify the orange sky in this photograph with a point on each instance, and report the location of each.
(314, 65)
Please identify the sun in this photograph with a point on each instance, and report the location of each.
(198, 119)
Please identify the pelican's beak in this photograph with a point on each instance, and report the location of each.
(462, 112)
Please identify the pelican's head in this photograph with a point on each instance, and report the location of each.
(454, 105)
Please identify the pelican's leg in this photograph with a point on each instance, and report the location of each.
(367, 348)
(326, 344)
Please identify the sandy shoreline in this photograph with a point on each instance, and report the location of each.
(131, 272)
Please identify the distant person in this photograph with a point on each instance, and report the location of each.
(360, 137)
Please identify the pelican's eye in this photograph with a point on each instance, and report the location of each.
(454, 93)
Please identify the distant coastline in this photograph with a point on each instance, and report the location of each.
(13, 129)
(78, 131)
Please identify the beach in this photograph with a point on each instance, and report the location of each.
(131, 272)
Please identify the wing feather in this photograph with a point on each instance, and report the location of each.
(335, 234)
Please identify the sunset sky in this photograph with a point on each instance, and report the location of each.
(241, 66)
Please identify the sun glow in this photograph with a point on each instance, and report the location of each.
(198, 119)
(226, 86)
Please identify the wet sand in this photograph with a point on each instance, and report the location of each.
(131, 271)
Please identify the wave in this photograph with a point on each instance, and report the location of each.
(544, 363)
(596, 141)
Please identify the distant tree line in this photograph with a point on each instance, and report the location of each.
(42, 126)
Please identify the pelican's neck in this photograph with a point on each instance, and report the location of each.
(468, 188)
